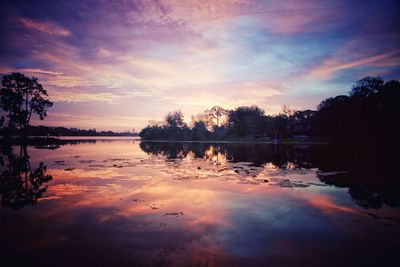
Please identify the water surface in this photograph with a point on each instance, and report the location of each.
(123, 202)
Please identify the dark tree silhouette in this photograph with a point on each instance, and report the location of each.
(175, 120)
(199, 131)
(368, 113)
(244, 121)
(20, 184)
(20, 97)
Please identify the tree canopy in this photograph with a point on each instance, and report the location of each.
(20, 98)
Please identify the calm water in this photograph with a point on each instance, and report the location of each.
(124, 202)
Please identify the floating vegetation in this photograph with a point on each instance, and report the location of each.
(288, 183)
(174, 214)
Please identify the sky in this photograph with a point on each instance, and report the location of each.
(116, 65)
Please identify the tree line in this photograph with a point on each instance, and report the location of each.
(63, 131)
(370, 111)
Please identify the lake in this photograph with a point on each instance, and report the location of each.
(123, 202)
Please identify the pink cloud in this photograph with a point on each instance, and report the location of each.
(114, 122)
(29, 71)
(45, 27)
(288, 17)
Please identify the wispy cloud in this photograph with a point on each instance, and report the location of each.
(50, 28)
(115, 122)
(331, 66)
(29, 71)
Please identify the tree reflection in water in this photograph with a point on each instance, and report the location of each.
(368, 172)
(20, 184)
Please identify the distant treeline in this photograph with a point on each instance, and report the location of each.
(62, 131)
(369, 112)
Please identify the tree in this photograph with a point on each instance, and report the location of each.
(303, 121)
(199, 131)
(175, 119)
(245, 121)
(287, 111)
(370, 112)
(216, 115)
(366, 87)
(20, 97)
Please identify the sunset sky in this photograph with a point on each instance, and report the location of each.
(118, 64)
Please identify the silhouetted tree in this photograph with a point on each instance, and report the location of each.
(20, 97)
(174, 119)
(244, 121)
(280, 124)
(199, 131)
(304, 122)
(368, 113)
(367, 87)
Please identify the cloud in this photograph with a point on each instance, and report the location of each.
(45, 27)
(150, 57)
(332, 65)
(5, 70)
(114, 122)
(107, 97)
(41, 71)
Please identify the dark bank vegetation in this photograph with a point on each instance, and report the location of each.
(369, 112)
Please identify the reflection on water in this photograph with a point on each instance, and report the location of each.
(124, 202)
(368, 174)
(20, 184)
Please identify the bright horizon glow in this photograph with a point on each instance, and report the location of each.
(116, 65)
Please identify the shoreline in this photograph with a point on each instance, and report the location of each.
(44, 140)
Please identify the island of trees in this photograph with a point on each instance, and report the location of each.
(369, 112)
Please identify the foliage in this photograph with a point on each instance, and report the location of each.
(214, 117)
(20, 97)
(369, 112)
(245, 121)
